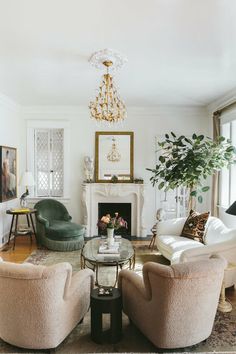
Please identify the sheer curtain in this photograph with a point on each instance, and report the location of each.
(215, 178)
(220, 117)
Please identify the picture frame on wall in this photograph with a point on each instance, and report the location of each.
(8, 180)
(114, 157)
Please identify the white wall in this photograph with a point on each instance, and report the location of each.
(11, 134)
(145, 123)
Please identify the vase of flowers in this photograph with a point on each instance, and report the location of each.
(110, 224)
(110, 235)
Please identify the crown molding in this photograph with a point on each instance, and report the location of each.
(53, 110)
(164, 109)
(222, 101)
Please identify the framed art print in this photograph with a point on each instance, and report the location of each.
(114, 157)
(8, 181)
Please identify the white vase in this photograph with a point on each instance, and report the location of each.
(110, 236)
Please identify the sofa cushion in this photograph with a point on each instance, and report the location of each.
(171, 244)
(194, 227)
(63, 230)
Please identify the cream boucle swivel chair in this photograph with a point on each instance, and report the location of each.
(41, 305)
(173, 306)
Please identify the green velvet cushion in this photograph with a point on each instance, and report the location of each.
(51, 209)
(63, 230)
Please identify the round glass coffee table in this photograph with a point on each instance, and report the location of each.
(91, 258)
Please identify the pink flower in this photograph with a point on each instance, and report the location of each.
(106, 219)
(112, 222)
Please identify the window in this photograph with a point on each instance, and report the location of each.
(48, 157)
(228, 176)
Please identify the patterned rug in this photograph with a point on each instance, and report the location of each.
(222, 339)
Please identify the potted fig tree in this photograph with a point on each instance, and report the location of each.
(189, 161)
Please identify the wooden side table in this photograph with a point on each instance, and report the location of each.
(153, 239)
(15, 214)
(106, 304)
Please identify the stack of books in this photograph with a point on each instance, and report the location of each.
(20, 210)
(104, 248)
(109, 252)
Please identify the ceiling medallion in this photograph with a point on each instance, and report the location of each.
(107, 106)
(114, 155)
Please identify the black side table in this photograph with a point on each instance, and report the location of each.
(106, 304)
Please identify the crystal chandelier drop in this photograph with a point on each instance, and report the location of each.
(114, 155)
(107, 106)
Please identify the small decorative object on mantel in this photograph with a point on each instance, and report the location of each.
(110, 224)
(114, 179)
(138, 180)
(89, 168)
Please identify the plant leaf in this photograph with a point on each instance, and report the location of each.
(200, 199)
(205, 189)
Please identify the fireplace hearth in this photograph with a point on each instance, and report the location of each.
(117, 194)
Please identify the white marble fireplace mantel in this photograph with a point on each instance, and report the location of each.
(94, 193)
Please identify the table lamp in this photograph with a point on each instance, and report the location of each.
(232, 209)
(26, 180)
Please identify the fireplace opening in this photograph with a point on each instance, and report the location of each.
(123, 209)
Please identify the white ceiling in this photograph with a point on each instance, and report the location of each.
(180, 52)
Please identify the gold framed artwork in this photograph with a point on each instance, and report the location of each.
(114, 157)
(8, 181)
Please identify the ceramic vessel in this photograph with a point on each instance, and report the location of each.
(110, 236)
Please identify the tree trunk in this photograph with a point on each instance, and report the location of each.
(192, 199)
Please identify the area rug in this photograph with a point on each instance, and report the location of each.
(106, 275)
(222, 339)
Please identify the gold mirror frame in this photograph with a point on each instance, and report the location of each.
(97, 135)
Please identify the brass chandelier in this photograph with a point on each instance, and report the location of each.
(107, 106)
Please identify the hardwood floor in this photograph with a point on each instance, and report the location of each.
(23, 249)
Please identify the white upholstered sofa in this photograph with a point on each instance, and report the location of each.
(218, 239)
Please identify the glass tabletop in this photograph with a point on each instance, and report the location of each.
(91, 251)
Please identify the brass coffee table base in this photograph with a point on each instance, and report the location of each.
(90, 258)
(85, 263)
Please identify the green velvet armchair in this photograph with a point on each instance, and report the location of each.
(54, 228)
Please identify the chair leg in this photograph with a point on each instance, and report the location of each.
(152, 242)
(224, 305)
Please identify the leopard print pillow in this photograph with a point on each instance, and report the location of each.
(194, 226)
